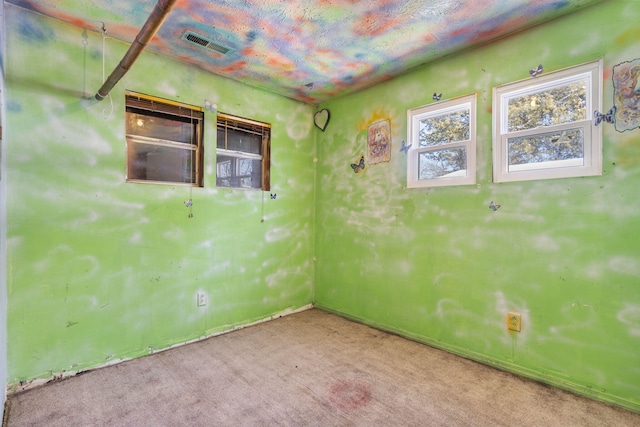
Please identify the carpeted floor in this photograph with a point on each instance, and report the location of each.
(306, 369)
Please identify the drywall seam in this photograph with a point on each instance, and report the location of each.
(16, 388)
(494, 363)
(3, 227)
(314, 222)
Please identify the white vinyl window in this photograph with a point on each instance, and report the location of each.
(543, 126)
(442, 141)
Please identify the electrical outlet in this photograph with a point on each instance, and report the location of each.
(514, 322)
(202, 299)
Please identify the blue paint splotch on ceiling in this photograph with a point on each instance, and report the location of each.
(312, 50)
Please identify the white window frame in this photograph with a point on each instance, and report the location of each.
(413, 128)
(591, 165)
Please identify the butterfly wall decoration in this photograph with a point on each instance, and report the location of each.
(189, 204)
(493, 206)
(273, 196)
(537, 71)
(437, 96)
(405, 148)
(609, 117)
(357, 167)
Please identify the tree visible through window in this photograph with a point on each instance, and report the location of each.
(442, 137)
(439, 130)
(556, 106)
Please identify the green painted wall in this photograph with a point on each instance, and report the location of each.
(99, 269)
(439, 266)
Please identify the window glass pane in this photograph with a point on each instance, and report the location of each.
(553, 106)
(223, 173)
(221, 138)
(160, 126)
(245, 167)
(443, 129)
(238, 172)
(224, 169)
(561, 148)
(239, 140)
(442, 163)
(160, 163)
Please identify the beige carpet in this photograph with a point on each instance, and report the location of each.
(307, 369)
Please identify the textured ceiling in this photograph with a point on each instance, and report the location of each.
(312, 50)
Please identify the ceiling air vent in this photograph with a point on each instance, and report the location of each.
(194, 38)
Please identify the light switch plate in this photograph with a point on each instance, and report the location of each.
(514, 322)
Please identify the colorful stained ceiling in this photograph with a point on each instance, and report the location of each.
(310, 50)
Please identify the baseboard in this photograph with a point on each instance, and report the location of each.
(5, 412)
(498, 364)
(37, 382)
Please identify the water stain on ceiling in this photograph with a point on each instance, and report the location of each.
(310, 50)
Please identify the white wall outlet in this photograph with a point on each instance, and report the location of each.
(202, 299)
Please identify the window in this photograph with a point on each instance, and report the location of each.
(442, 137)
(543, 126)
(164, 141)
(243, 149)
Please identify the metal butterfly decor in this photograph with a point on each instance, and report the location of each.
(493, 206)
(189, 204)
(357, 167)
(437, 96)
(405, 148)
(610, 117)
(537, 71)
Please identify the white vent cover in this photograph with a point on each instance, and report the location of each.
(194, 38)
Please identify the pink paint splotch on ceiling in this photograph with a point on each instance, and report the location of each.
(312, 50)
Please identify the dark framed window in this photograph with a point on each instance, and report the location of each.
(243, 153)
(164, 141)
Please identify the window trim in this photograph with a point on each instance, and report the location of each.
(436, 109)
(155, 104)
(592, 155)
(265, 184)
